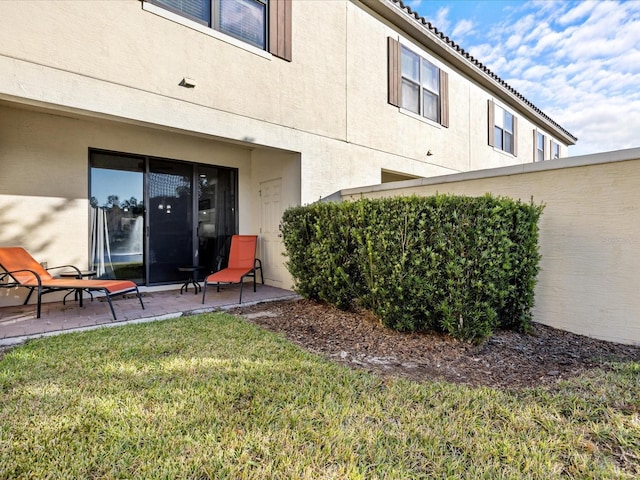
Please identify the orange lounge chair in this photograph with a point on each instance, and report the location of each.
(242, 263)
(26, 272)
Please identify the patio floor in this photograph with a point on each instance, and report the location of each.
(19, 323)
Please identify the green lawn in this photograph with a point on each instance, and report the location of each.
(212, 396)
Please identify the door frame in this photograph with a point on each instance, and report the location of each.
(194, 201)
(272, 265)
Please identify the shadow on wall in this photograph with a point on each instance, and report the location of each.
(35, 233)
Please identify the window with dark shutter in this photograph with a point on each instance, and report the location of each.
(265, 24)
(503, 129)
(243, 19)
(539, 146)
(415, 84)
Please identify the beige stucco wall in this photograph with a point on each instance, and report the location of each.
(124, 60)
(589, 235)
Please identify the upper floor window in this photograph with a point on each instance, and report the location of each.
(544, 148)
(245, 20)
(539, 139)
(420, 85)
(503, 129)
(417, 85)
(265, 24)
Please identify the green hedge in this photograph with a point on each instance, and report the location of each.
(454, 264)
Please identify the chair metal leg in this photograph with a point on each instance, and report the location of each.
(241, 285)
(39, 307)
(64, 299)
(204, 291)
(26, 300)
(113, 312)
(260, 268)
(139, 298)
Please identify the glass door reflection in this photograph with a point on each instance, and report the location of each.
(216, 216)
(170, 220)
(117, 218)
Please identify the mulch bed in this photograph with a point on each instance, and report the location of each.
(508, 360)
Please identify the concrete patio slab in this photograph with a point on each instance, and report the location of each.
(19, 323)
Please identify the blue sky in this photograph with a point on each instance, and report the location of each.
(578, 61)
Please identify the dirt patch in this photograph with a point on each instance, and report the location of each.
(508, 360)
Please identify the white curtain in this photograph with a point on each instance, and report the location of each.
(100, 250)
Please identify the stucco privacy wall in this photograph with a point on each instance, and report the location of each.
(589, 235)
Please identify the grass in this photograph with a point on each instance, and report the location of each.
(212, 396)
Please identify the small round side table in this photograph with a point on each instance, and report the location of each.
(78, 291)
(192, 280)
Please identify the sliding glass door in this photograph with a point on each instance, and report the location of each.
(143, 221)
(170, 219)
(216, 216)
(117, 217)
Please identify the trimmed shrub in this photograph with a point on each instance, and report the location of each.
(319, 244)
(460, 265)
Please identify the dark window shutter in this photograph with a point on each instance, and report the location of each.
(515, 136)
(280, 28)
(444, 98)
(492, 123)
(394, 71)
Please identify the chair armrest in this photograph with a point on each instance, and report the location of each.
(67, 266)
(24, 270)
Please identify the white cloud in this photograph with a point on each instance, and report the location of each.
(513, 41)
(462, 29)
(605, 124)
(518, 65)
(441, 22)
(537, 72)
(548, 7)
(580, 11)
(548, 39)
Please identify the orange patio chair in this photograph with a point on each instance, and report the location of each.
(19, 265)
(242, 263)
